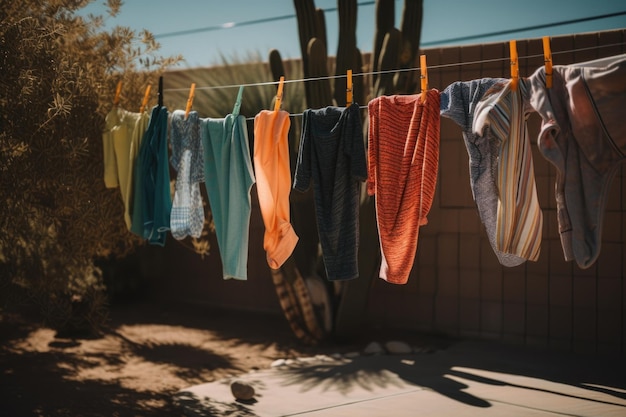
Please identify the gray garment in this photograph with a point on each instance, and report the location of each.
(458, 102)
(583, 135)
(185, 135)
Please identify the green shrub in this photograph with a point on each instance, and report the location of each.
(59, 73)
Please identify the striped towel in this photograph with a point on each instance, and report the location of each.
(503, 112)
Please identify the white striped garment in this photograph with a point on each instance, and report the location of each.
(503, 112)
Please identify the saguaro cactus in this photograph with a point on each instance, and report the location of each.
(396, 49)
(348, 55)
(393, 49)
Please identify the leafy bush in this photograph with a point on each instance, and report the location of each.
(59, 73)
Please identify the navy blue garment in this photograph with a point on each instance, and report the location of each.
(332, 156)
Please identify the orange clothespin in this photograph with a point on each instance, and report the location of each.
(118, 93)
(349, 99)
(547, 59)
(190, 100)
(146, 95)
(279, 93)
(423, 77)
(514, 65)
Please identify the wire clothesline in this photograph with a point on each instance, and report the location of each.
(396, 70)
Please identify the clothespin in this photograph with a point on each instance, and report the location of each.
(118, 93)
(547, 59)
(349, 99)
(160, 94)
(514, 65)
(145, 98)
(190, 100)
(279, 93)
(423, 77)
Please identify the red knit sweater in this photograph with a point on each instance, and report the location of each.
(403, 161)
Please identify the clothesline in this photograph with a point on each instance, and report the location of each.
(402, 132)
(396, 70)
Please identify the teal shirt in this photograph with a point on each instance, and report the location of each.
(228, 179)
(152, 202)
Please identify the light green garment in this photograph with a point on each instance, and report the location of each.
(228, 179)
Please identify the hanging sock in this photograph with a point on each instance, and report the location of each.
(403, 164)
(332, 156)
(583, 135)
(502, 114)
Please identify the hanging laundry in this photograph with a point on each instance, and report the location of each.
(502, 113)
(187, 217)
(458, 102)
(152, 202)
(121, 139)
(403, 164)
(273, 182)
(583, 135)
(332, 156)
(228, 180)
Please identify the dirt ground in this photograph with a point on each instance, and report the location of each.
(146, 354)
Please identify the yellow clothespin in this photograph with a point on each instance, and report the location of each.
(423, 77)
(190, 100)
(279, 93)
(118, 93)
(349, 99)
(547, 59)
(145, 98)
(514, 65)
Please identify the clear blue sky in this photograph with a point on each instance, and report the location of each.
(443, 20)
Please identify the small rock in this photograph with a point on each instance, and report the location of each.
(277, 363)
(352, 355)
(242, 390)
(396, 347)
(374, 348)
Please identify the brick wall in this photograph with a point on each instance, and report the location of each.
(457, 286)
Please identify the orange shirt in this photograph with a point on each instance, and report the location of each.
(273, 181)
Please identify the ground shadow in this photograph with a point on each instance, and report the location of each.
(32, 384)
(497, 364)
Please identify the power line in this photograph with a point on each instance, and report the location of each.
(391, 71)
(536, 27)
(230, 25)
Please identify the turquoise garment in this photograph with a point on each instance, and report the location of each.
(228, 180)
(152, 203)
